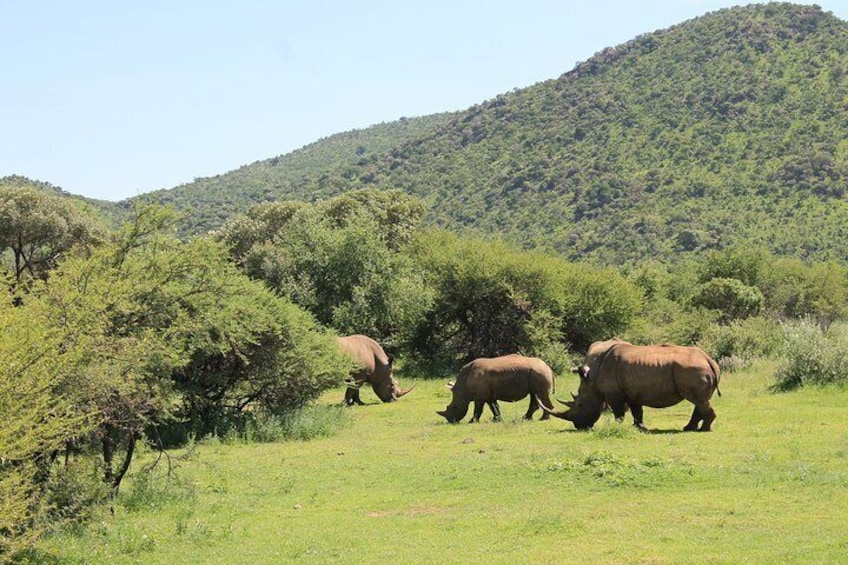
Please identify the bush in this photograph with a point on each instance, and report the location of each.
(340, 259)
(491, 299)
(73, 492)
(300, 424)
(733, 298)
(747, 339)
(812, 356)
(676, 326)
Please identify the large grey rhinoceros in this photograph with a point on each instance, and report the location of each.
(621, 374)
(508, 378)
(373, 367)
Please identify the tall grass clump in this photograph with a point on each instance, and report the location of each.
(812, 356)
(155, 487)
(300, 424)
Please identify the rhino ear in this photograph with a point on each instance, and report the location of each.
(583, 371)
(450, 385)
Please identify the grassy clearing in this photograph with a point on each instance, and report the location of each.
(399, 485)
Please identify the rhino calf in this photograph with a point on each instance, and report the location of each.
(373, 366)
(508, 378)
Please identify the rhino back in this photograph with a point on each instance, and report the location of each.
(508, 378)
(657, 375)
(365, 351)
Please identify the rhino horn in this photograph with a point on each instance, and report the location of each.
(561, 414)
(569, 403)
(407, 391)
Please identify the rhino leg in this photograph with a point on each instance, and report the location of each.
(709, 415)
(478, 410)
(496, 410)
(704, 413)
(618, 406)
(532, 408)
(693, 421)
(637, 412)
(352, 397)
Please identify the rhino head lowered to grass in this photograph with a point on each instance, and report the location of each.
(373, 367)
(621, 375)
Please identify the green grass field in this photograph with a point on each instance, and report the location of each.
(399, 485)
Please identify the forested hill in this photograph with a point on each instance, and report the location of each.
(728, 128)
(208, 202)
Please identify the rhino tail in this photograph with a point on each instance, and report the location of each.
(716, 373)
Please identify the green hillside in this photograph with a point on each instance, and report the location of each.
(724, 129)
(207, 202)
(730, 127)
(112, 213)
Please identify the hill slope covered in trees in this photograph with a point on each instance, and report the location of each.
(208, 202)
(729, 128)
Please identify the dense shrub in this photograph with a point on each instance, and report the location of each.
(794, 289)
(339, 259)
(743, 340)
(812, 356)
(124, 338)
(492, 300)
(731, 297)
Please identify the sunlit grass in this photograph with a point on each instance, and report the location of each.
(398, 485)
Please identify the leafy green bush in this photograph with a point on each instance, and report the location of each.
(491, 299)
(339, 259)
(812, 356)
(299, 424)
(747, 339)
(733, 298)
(118, 341)
(72, 493)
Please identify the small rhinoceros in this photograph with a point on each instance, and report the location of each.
(508, 378)
(373, 367)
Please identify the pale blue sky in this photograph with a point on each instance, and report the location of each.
(110, 99)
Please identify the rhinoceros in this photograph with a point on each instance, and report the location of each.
(620, 374)
(374, 368)
(508, 378)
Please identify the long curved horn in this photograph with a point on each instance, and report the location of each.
(569, 403)
(562, 414)
(407, 391)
